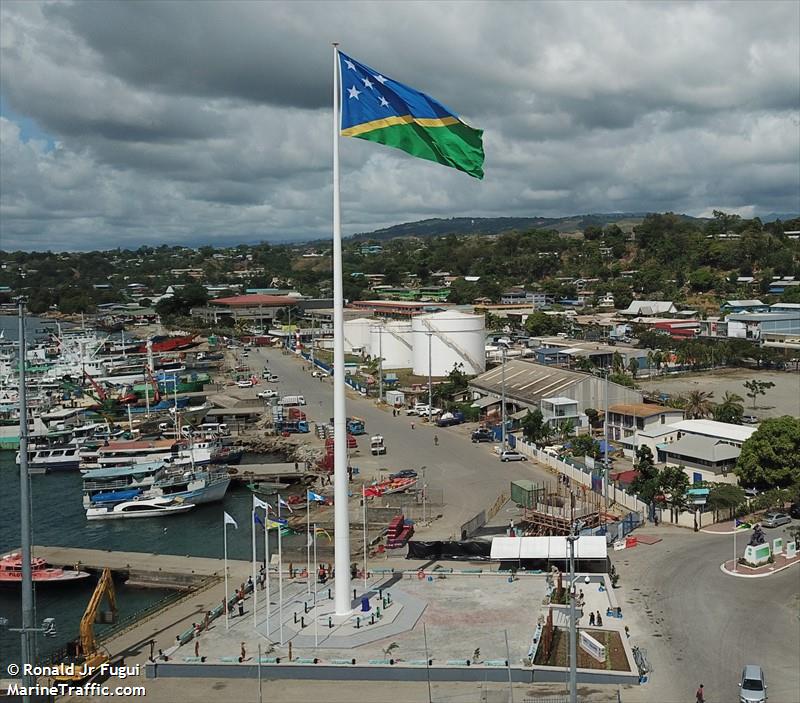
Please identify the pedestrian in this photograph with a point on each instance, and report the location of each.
(241, 608)
(197, 648)
(599, 619)
(436, 440)
(412, 425)
(700, 695)
(244, 652)
(591, 619)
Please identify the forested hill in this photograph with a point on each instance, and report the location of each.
(438, 227)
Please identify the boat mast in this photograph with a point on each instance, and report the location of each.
(25, 511)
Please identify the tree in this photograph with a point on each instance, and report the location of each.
(646, 484)
(566, 429)
(756, 388)
(673, 482)
(594, 417)
(535, 429)
(770, 457)
(585, 445)
(539, 324)
(698, 404)
(617, 363)
(633, 366)
(725, 496)
(731, 409)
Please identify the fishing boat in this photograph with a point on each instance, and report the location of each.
(46, 460)
(11, 571)
(146, 507)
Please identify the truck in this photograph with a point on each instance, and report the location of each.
(356, 426)
(291, 426)
(448, 419)
(288, 400)
(376, 445)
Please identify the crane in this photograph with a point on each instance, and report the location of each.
(90, 655)
(97, 387)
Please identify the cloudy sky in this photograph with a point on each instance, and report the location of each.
(128, 123)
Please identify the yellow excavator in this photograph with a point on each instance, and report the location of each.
(90, 657)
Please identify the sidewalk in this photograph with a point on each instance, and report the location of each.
(748, 572)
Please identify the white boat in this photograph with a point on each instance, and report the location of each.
(147, 507)
(52, 459)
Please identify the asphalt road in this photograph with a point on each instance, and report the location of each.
(700, 625)
(470, 474)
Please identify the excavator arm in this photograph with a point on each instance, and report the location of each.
(104, 589)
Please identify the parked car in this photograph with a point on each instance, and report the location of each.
(794, 511)
(753, 686)
(482, 435)
(403, 473)
(319, 374)
(268, 393)
(775, 519)
(511, 455)
(245, 383)
(750, 419)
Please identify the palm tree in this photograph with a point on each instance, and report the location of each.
(698, 404)
(730, 409)
(633, 366)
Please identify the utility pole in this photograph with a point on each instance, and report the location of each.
(430, 379)
(26, 657)
(503, 403)
(573, 624)
(380, 364)
(605, 449)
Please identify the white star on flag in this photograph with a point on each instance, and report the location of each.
(354, 92)
(384, 102)
(380, 79)
(350, 64)
(367, 82)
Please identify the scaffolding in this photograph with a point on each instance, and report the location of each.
(553, 506)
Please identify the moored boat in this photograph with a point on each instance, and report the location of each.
(148, 507)
(11, 571)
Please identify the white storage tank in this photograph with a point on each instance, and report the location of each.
(394, 341)
(455, 338)
(357, 335)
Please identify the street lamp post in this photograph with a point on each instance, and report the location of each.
(573, 622)
(503, 402)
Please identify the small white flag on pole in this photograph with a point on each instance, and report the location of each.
(230, 521)
(258, 503)
(285, 504)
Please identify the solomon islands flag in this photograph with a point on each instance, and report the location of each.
(379, 109)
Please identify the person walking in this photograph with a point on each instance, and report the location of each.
(599, 619)
(436, 440)
(700, 695)
(591, 619)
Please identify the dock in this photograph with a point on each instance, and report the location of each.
(292, 471)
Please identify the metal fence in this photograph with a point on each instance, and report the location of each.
(470, 527)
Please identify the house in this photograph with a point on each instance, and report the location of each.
(368, 249)
(606, 301)
(649, 308)
(626, 419)
(743, 306)
(781, 286)
(735, 435)
(520, 296)
(261, 308)
(559, 410)
(703, 458)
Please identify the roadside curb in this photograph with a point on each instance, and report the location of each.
(717, 532)
(740, 575)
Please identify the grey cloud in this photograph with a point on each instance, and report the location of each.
(185, 121)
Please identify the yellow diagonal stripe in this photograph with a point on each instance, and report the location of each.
(399, 119)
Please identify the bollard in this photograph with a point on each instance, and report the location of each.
(372, 619)
(302, 622)
(378, 613)
(330, 622)
(295, 618)
(329, 594)
(358, 622)
(380, 593)
(354, 594)
(305, 608)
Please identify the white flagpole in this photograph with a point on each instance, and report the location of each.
(255, 585)
(308, 542)
(734, 544)
(280, 574)
(225, 547)
(340, 477)
(364, 520)
(316, 632)
(266, 559)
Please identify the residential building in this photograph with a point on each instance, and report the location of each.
(368, 249)
(626, 419)
(520, 296)
(649, 308)
(781, 286)
(559, 410)
(743, 306)
(735, 435)
(253, 308)
(606, 301)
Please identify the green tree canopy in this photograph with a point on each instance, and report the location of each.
(770, 458)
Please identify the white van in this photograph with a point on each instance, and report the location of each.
(288, 400)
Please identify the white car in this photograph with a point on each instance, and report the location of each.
(424, 412)
(247, 383)
(510, 455)
(319, 374)
(269, 393)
